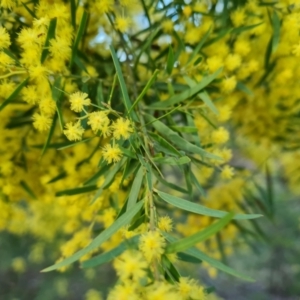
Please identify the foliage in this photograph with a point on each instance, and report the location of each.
(119, 121)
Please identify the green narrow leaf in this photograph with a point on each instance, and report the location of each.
(172, 186)
(192, 240)
(128, 153)
(57, 89)
(170, 268)
(211, 261)
(203, 95)
(241, 29)
(110, 255)
(76, 191)
(197, 184)
(180, 44)
(268, 54)
(200, 209)
(206, 99)
(57, 95)
(126, 98)
(50, 35)
(58, 177)
(270, 190)
(101, 238)
(60, 115)
(79, 35)
(81, 66)
(188, 258)
(100, 97)
(25, 186)
(12, 55)
(221, 34)
(139, 221)
(191, 123)
(109, 178)
(188, 92)
(173, 161)
(73, 13)
(95, 177)
(185, 129)
(276, 31)
(146, 11)
(200, 45)
(50, 134)
(188, 179)
(242, 87)
(163, 145)
(218, 265)
(209, 290)
(69, 145)
(14, 94)
(135, 188)
(145, 45)
(130, 168)
(170, 60)
(29, 10)
(145, 90)
(180, 142)
(198, 60)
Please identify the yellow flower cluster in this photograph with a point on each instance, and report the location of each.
(57, 95)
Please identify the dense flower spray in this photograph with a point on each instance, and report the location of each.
(98, 146)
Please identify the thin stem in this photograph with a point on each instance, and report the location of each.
(12, 74)
(112, 89)
(161, 117)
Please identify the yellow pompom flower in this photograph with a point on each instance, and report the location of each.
(28, 37)
(38, 72)
(98, 120)
(224, 113)
(9, 4)
(167, 26)
(129, 3)
(152, 245)
(108, 217)
(229, 84)
(187, 11)
(104, 6)
(189, 289)
(227, 172)
(226, 154)
(122, 128)
(296, 49)
(161, 291)
(220, 136)
(165, 224)
(111, 153)
(122, 23)
(78, 100)
(131, 264)
(232, 62)
(47, 106)
(93, 294)
(5, 60)
(41, 122)
(242, 47)
(30, 95)
(19, 264)
(124, 292)
(238, 17)
(60, 48)
(74, 131)
(214, 63)
(4, 38)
